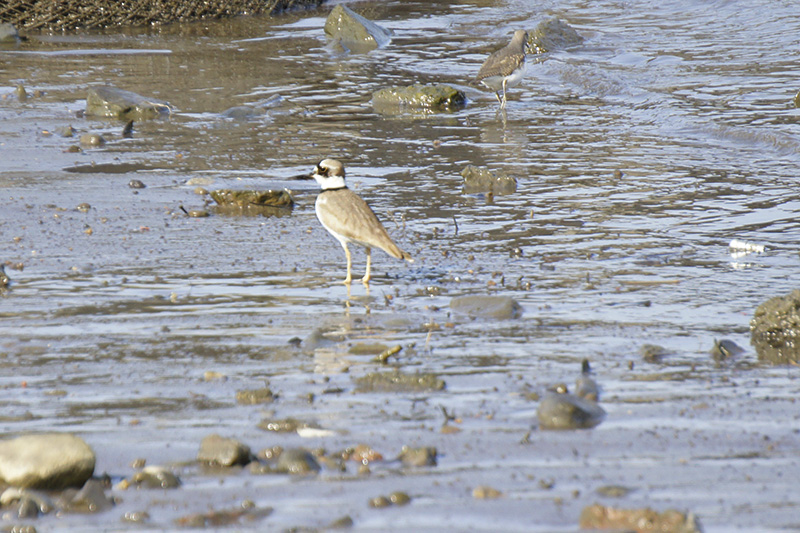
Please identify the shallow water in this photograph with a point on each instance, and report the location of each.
(110, 334)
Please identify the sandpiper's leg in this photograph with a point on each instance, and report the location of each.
(349, 277)
(497, 94)
(503, 103)
(367, 277)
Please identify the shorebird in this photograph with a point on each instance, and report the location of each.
(506, 67)
(347, 217)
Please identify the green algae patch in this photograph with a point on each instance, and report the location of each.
(418, 96)
(399, 382)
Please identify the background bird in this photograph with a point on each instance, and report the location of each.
(505, 67)
(347, 217)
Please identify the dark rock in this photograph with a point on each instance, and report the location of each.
(49, 461)
(219, 451)
(478, 180)
(393, 100)
(107, 101)
(553, 34)
(775, 329)
(353, 31)
(499, 307)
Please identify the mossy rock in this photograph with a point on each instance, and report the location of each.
(418, 96)
(353, 31)
(249, 202)
(775, 329)
(399, 382)
(553, 34)
(110, 102)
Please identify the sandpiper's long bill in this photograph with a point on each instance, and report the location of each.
(506, 67)
(347, 217)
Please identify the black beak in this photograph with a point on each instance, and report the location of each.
(302, 177)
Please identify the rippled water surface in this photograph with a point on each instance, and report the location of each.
(639, 154)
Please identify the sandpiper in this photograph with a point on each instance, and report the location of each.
(347, 217)
(506, 67)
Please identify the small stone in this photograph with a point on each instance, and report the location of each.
(136, 517)
(485, 492)
(399, 498)
(92, 139)
(136, 184)
(84, 207)
(379, 502)
(156, 477)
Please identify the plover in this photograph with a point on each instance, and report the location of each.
(347, 217)
(506, 67)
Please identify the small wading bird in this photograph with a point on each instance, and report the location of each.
(506, 67)
(348, 218)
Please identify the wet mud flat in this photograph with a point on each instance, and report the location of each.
(136, 326)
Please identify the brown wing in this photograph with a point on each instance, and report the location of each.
(500, 66)
(344, 212)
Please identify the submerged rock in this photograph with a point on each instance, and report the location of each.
(775, 329)
(639, 520)
(561, 410)
(251, 111)
(478, 180)
(653, 353)
(107, 101)
(30, 503)
(399, 382)
(220, 451)
(553, 34)
(354, 32)
(156, 477)
(499, 307)
(91, 498)
(392, 100)
(253, 203)
(50, 461)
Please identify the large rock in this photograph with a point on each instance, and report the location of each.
(353, 31)
(220, 451)
(775, 329)
(553, 34)
(107, 101)
(500, 307)
(392, 100)
(478, 180)
(51, 461)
